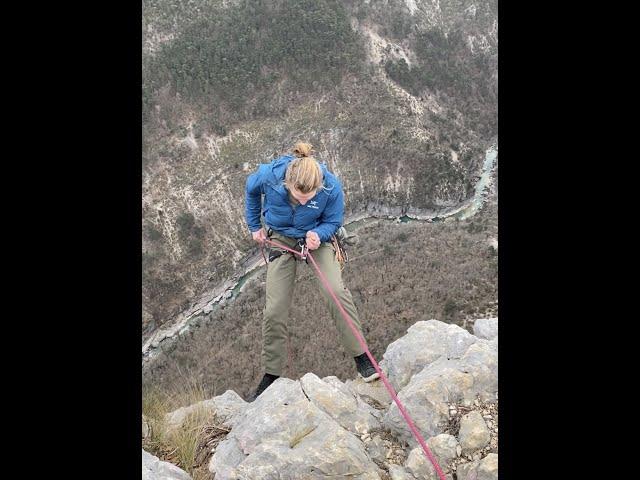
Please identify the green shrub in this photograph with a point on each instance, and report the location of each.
(238, 54)
(186, 221)
(154, 233)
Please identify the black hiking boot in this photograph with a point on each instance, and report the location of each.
(365, 368)
(267, 380)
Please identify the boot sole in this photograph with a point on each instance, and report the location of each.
(370, 378)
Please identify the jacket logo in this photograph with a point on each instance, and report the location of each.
(313, 204)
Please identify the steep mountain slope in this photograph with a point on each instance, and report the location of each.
(399, 98)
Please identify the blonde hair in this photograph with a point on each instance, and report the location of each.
(303, 173)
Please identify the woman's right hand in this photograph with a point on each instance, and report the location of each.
(259, 236)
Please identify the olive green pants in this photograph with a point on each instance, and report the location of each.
(281, 274)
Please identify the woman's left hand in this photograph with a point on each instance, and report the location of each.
(313, 240)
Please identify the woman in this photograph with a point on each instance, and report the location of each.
(301, 200)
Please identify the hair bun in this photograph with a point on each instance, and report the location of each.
(302, 149)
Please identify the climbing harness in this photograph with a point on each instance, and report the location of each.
(362, 343)
(339, 242)
(273, 254)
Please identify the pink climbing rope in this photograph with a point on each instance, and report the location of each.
(362, 343)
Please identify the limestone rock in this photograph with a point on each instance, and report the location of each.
(486, 328)
(376, 449)
(337, 383)
(372, 391)
(488, 468)
(444, 448)
(424, 343)
(426, 399)
(468, 471)
(420, 466)
(474, 433)
(155, 469)
(396, 472)
(284, 435)
(225, 407)
(315, 428)
(227, 456)
(357, 417)
(481, 361)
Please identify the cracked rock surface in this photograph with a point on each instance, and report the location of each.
(315, 428)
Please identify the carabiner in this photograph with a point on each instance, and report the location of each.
(303, 249)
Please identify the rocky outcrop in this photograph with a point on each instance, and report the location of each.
(434, 365)
(314, 428)
(486, 328)
(286, 433)
(485, 469)
(424, 343)
(474, 433)
(155, 469)
(444, 447)
(225, 407)
(348, 410)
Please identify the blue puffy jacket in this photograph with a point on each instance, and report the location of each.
(322, 214)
